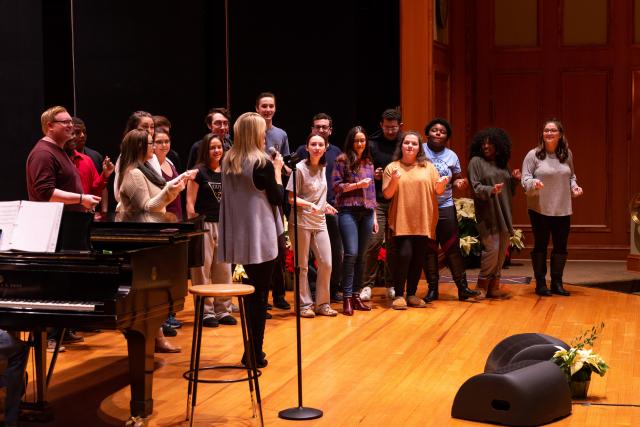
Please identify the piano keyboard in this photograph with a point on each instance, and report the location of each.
(48, 305)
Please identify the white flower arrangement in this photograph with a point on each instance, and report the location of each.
(577, 363)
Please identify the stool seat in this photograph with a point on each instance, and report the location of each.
(221, 290)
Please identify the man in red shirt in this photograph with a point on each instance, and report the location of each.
(92, 182)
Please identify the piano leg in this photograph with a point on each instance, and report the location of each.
(40, 358)
(140, 345)
(39, 410)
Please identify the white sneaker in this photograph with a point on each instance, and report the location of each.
(391, 292)
(365, 294)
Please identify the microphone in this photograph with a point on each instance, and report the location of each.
(289, 160)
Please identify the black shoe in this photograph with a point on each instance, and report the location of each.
(70, 337)
(464, 292)
(210, 322)
(268, 315)
(432, 295)
(558, 289)
(261, 363)
(542, 290)
(269, 306)
(168, 331)
(337, 297)
(281, 303)
(228, 320)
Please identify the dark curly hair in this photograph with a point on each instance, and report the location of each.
(421, 158)
(499, 138)
(438, 121)
(562, 150)
(349, 156)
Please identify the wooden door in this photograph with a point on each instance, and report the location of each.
(569, 59)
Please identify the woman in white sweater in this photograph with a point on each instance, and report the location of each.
(140, 186)
(550, 182)
(143, 190)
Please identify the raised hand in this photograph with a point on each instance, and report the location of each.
(516, 174)
(461, 183)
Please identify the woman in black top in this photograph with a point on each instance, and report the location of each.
(203, 198)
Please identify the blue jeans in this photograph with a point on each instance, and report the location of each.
(356, 226)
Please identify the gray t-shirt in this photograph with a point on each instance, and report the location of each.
(278, 139)
(312, 187)
(558, 179)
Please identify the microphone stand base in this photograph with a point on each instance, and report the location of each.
(300, 413)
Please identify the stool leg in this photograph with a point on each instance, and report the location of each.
(245, 344)
(252, 369)
(194, 364)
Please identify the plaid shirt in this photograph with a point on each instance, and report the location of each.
(341, 177)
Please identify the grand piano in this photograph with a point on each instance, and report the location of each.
(127, 274)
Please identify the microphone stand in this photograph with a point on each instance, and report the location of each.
(299, 413)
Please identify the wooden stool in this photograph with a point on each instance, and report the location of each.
(221, 290)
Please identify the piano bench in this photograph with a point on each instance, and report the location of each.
(200, 292)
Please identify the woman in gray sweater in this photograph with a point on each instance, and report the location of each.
(489, 173)
(550, 182)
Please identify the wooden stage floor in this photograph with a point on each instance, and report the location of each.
(379, 368)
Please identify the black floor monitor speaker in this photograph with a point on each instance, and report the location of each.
(520, 347)
(526, 393)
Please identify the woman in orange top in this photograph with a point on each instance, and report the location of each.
(412, 183)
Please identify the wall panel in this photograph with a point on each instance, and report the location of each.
(585, 117)
(517, 99)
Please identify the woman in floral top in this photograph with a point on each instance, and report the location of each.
(356, 202)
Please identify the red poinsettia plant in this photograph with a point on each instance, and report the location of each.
(288, 260)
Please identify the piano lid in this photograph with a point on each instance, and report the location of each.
(122, 230)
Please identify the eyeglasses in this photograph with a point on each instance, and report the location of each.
(220, 123)
(321, 127)
(167, 142)
(390, 127)
(63, 122)
(550, 131)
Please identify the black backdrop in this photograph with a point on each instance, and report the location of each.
(169, 57)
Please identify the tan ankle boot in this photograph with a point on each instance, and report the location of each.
(494, 290)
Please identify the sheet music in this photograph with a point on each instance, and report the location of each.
(30, 226)
(8, 217)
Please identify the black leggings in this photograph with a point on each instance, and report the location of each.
(259, 278)
(556, 226)
(410, 253)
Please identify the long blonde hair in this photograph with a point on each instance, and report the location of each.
(248, 144)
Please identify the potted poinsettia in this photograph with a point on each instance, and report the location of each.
(578, 362)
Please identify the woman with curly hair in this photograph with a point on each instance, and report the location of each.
(550, 182)
(413, 184)
(355, 194)
(488, 173)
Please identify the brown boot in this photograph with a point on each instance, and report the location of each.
(494, 290)
(482, 287)
(347, 306)
(357, 303)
